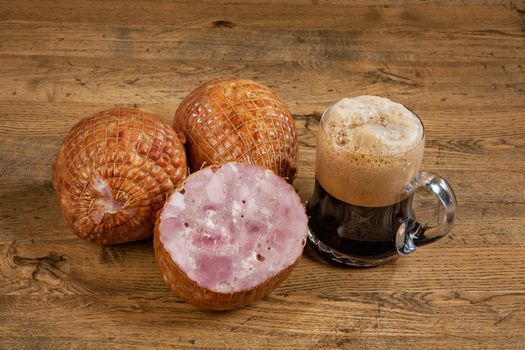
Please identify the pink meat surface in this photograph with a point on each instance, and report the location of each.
(233, 227)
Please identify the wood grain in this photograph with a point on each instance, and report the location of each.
(460, 67)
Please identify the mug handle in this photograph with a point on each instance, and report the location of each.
(412, 234)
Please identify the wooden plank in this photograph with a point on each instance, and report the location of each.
(391, 319)
(483, 88)
(30, 211)
(356, 43)
(491, 135)
(447, 163)
(431, 16)
(78, 267)
(487, 138)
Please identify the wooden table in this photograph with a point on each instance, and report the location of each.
(460, 67)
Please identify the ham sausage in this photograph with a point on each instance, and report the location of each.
(113, 172)
(233, 119)
(229, 235)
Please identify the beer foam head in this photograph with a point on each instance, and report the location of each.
(372, 125)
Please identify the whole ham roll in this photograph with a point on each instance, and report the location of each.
(114, 171)
(233, 119)
(229, 235)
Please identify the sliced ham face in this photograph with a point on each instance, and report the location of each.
(230, 235)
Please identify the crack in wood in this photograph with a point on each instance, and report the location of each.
(49, 264)
(504, 318)
(223, 24)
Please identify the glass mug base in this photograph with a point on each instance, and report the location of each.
(354, 235)
(345, 259)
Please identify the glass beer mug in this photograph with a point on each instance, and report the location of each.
(369, 150)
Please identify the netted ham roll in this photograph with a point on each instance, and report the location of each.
(233, 119)
(114, 171)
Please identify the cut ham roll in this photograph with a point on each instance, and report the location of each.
(229, 235)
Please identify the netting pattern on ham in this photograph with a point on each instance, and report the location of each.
(232, 119)
(113, 171)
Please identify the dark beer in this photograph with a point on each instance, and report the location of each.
(368, 150)
(363, 232)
